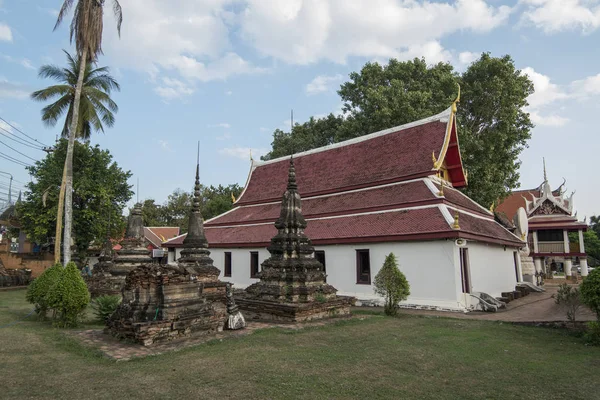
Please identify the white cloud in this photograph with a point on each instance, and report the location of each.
(12, 90)
(26, 63)
(322, 83)
(307, 31)
(225, 136)
(546, 93)
(467, 57)
(189, 38)
(220, 125)
(5, 33)
(228, 93)
(560, 15)
(586, 87)
(173, 89)
(165, 145)
(243, 152)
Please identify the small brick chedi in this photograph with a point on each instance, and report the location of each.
(109, 274)
(163, 302)
(292, 283)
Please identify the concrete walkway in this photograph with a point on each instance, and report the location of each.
(536, 307)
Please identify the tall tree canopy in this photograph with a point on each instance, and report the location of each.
(492, 124)
(175, 211)
(100, 193)
(96, 108)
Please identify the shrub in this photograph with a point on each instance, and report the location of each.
(592, 335)
(105, 306)
(38, 290)
(69, 297)
(590, 291)
(569, 298)
(391, 284)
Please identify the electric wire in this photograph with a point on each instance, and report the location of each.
(14, 160)
(23, 133)
(22, 142)
(15, 150)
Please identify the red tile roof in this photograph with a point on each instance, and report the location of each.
(514, 201)
(157, 235)
(388, 156)
(456, 197)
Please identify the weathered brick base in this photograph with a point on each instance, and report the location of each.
(263, 310)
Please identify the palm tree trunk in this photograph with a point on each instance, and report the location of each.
(59, 216)
(69, 160)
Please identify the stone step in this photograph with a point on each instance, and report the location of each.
(503, 299)
(508, 295)
(517, 294)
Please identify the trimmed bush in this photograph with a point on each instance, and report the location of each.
(592, 335)
(391, 283)
(569, 298)
(38, 290)
(590, 291)
(69, 297)
(105, 306)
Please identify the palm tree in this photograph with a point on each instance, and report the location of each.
(96, 107)
(86, 30)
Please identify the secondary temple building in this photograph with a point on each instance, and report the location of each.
(551, 220)
(390, 191)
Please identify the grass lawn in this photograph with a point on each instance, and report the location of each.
(373, 358)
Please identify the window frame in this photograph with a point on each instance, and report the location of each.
(323, 261)
(227, 265)
(254, 270)
(359, 267)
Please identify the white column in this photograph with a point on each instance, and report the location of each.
(537, 262)
(566, 241)
(568, 266)
(584, 267)
(535, 242)
(581, 242)
(519, 268)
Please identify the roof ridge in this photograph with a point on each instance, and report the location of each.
(437, 117)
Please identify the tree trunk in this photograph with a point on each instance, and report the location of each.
(69, 160)
(59, 216)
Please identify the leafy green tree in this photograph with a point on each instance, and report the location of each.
(100, 194)
(591, 244)
(595, 224)
(96, 108)
(492, 124)
(217, 200)
(391, 284)
(152, 213)
(86, 30)
(590, 291)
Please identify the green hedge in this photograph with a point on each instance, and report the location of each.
(38, 290)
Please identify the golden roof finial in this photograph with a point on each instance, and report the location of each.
(454, 109)
(433, 158)
(493, 206)
(441, 192)
(232, 198)
(456, 225)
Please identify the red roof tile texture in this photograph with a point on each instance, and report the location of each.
(383, 159)
(455, 197)
(511, 204)
(405, 194)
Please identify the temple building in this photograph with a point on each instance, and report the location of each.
(391, 191)
(551, 220)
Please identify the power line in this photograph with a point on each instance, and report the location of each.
(12, 148)
(23, 133)
(12, 137)
(18, 162)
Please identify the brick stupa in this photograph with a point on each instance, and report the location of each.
(109, 274)
(292, 283)
(164, 302)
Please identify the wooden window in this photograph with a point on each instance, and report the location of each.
(363, 267)
(551, 235)
(227, 271)
(464, 270)
(254, 264)
(320, 256)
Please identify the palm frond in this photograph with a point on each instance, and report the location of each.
(104, 82)
(98, 95)
(53, 72)
(106, 115)
(64, 10)
(52, 112)
(50, 92)
(118, 12)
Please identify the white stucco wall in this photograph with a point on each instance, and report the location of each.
(431, 267)
(492, 268)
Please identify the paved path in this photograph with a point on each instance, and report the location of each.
(536, 307)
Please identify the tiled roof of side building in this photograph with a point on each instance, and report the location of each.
(378, 198)
(455, 197)
(421, 223)
(511, 204)
(389, 156)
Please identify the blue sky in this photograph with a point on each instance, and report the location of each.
(227, 73)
